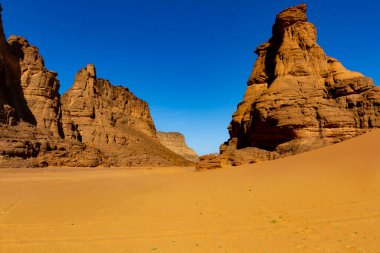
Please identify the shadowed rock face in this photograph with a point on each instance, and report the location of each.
(27, 89)
(298, 98)
(39, 85)
(30, 122)
(13, 103)
(94, 123)
(176, 143)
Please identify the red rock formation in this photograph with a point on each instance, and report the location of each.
(95, 111)
(39, 85)
(298, 98)
(112, 119)
(13, 105)
(176, 143)
(208, 162)
(101, 124)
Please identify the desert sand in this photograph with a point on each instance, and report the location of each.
(326, 200)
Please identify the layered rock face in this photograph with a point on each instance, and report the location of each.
(298, 98)
(25, 145)
(208, 162)
(94, 111)
(176, 143)
(40, 86)
(30, 127)
(94, 123)
(13, 105)
(28, 91)
(112, 119)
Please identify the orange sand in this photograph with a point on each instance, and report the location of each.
(327, 200)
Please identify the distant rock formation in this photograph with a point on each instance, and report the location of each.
(208, 162)
(297, 98)
(176, 143)
(94, 123)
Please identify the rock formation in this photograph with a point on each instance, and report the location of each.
(298, 98)
(208, 162)
(112, 119)
(13, 105)
(28, 91)
(40, 86)
(176, 143)
(25, 145)
(94, 123)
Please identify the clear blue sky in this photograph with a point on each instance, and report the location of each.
(189, 60)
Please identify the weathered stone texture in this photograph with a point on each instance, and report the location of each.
(94, 123)
(208, 162)
(112, 119)
(298, 98)
(40, 86)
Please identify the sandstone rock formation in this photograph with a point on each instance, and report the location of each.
(93, 124)
(39, 85)
(28, 91)
(94, 110)
(112, 119)
(208, 162)
(13, 105)
(298, 98)
(25, 145)
(176, 143)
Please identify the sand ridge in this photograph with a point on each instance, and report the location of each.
(327, 200)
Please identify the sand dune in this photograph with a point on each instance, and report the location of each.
(327, 200)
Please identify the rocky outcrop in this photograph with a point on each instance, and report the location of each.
(96, 112)
(298, 98)
(25, 145)
(176, 143)
(13, 105)
(112, 119)
(30, 127)
(28, 91)
(40, 86)
(93, 124)
(208, 162)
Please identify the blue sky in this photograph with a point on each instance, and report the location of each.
(189, 60)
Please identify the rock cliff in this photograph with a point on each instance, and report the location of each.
(176, 143)
(112, 119)
(40, 86)
(13, 105)
(298, 98)
(94, 111)
(94, 123)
